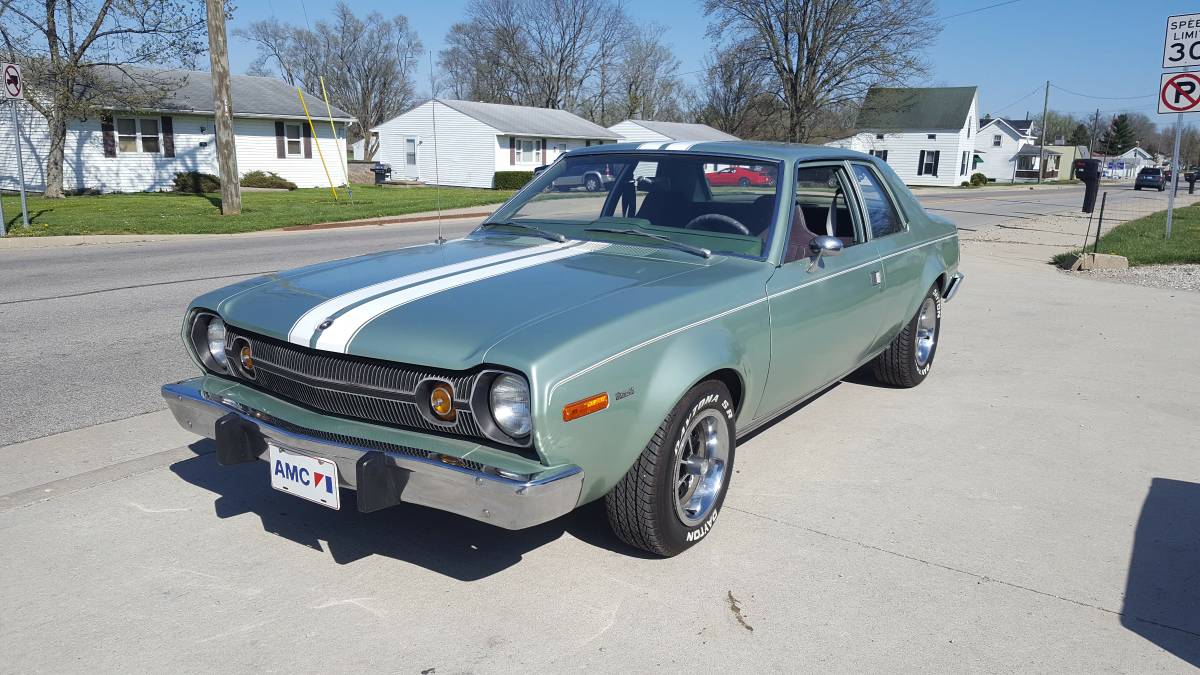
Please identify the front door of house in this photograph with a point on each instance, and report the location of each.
(411, 170)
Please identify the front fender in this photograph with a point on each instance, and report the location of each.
(643, 384)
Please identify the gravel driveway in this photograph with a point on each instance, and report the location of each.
(1174, 277)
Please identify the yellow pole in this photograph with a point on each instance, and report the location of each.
(333, 130)
(317, 141)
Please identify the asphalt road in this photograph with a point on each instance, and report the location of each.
(91, 331)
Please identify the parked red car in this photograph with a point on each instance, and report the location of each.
(739, 175)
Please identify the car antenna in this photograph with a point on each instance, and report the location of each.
(437, 175)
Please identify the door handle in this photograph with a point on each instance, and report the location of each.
(876, 278)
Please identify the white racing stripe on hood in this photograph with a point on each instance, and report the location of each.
(304, 328)
(338, 336)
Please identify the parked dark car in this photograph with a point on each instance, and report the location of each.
(1150, 177)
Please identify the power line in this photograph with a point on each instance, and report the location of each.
(1031, 93)
(977, 9)
(1107, 98)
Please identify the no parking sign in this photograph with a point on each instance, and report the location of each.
(1179, 93)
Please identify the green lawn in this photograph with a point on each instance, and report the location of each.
(1143, 243)
(173, 213)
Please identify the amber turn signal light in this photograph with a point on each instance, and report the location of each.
(441, 402)
(589, 405)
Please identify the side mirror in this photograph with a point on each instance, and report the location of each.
(824, 245)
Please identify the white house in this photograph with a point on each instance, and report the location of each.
(475, 140)
(142, 150)
(650, 131)
(1009, 153)
(926, 134)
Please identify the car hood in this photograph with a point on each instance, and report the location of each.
(445, 305)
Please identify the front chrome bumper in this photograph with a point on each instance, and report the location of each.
(383, 477)
(953, 286)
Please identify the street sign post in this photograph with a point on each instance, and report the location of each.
(1181, 46)
(14, 90)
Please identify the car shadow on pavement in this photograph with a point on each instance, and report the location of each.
(1162, 591)
(445, 543)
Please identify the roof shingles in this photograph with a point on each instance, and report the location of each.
(528, 121)
(915, 108)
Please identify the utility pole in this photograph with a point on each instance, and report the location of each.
(1042, 150)
(218, 54)
(1095, 132)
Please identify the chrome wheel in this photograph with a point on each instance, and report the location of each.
(926, 331)
(700, 466)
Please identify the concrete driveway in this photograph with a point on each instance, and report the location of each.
(1032, 506)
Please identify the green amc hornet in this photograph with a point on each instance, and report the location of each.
(591, 340)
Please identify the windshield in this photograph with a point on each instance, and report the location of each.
(722, 204)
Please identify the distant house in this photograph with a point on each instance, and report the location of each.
(926, 134)
(475, 140)
(142, 150)
(650, 131)
(1008, 151)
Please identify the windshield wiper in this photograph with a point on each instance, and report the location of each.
(545, 234)
(678, 245)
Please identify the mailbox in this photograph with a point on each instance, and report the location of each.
(1088, 171)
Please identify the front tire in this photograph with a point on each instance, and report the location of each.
(671, 496)
(907, 360)
(592, 184)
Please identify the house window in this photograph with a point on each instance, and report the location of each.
(879, 137)
(881, 154)
(932, 137)
(996, 141)
(292, 133)
(138, 134)
(962, 171)
(927, 164)
(1027, 163)
(528, 151)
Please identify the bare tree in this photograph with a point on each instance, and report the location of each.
(647, 77)
(82, 57)
(826, 53)
(368, 64)
(733, 95)
(545, 53)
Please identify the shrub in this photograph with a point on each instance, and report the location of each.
(512, 180)
(267, 179)
(978, 179)
(197, 182)
(964, 184)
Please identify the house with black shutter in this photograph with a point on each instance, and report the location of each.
(122, 150)
(925, 134)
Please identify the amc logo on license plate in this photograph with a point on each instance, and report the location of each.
(310, 478)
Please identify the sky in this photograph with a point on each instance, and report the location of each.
(1104, 54)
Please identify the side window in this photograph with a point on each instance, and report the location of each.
(821, 209)
(881, 212)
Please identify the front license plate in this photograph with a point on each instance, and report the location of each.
(310, 478)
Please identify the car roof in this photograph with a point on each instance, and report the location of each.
(786, 152)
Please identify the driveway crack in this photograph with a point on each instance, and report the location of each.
(958, 570)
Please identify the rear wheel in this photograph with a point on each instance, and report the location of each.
(907, 360)
(670, 497)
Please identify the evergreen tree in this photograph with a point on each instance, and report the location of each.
(1079, 136)
(1119, 137)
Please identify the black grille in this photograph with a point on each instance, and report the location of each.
(352, 387)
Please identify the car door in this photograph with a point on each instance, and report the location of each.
(902, 265)
(825, 314)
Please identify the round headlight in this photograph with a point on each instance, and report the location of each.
(216, 341)
(510, 405)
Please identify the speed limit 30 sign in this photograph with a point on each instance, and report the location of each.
(1181, 47)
